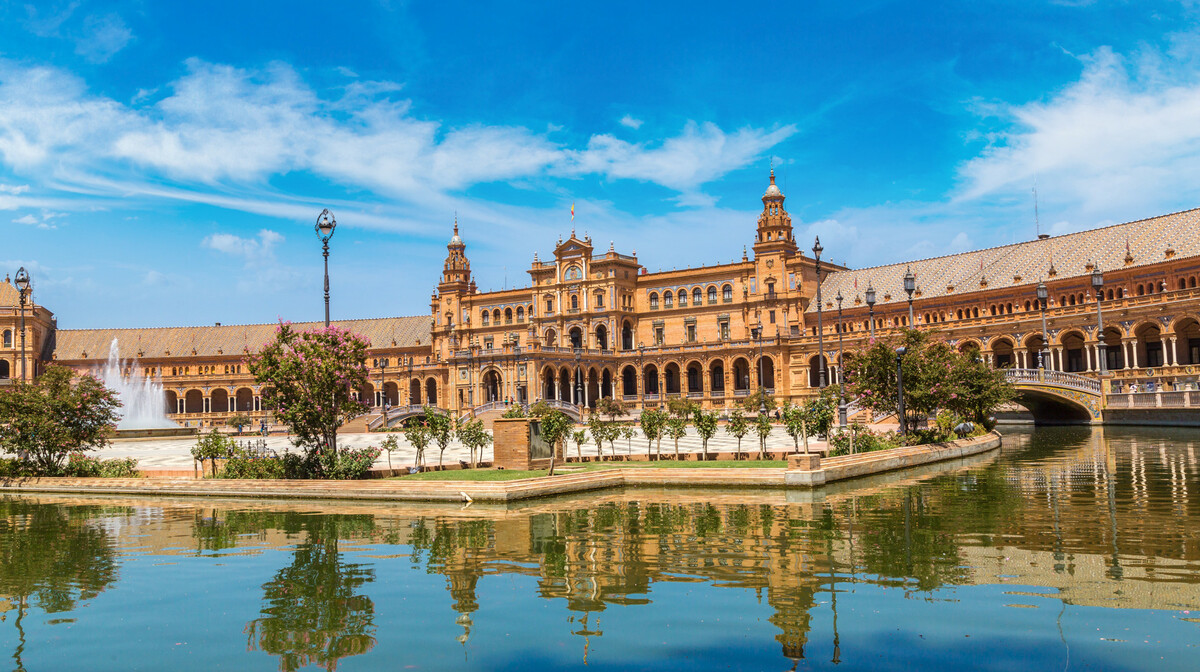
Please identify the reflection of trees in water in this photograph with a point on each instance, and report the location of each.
(314, 612)
(53, 557)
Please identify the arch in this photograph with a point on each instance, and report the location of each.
(1074, 357)
(574, 302)
(8, 338)
(712, 294)
(243, 399)
(765, 370)
(629, 380)
(1191, 282)
(814, 370)
(650, 379)
(741, 374)
(220, 401)
(626, 336)
(716, 376)
(391, 393)
(969, 345)
(1035, 345)
(484, 318)
(668, 299)
(683, 298)
(193, 401)
(593, 387)
(1114, 353)
(695, 377)
(493, 386)
(431, 391)
(602, 337)
(1149, 345)
(653, 300)
(366, 394)
(671, 378)
(1002, 353)
(727, 293)
(551, 337)
(170, 398)
(1049, 408)
(520, 313)
(576, 337)
(1187, 340)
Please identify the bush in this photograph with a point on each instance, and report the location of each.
(86, 466)
(865, 441)
(514, 412)
(11, 467)
(349, 464)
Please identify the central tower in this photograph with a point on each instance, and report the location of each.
(774, 224)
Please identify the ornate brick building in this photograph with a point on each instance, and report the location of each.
(595, 324)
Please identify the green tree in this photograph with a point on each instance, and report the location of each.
(540, 410)
(212, 446)
(628, 432)
(762, 427)
(978, 389)
(598, 429)
(677, 429)
(611, 407)
(755, 402)
(706, 427)
(57, 414)
(389, 444)
(737, 427)
(653, 423)
(472, 435)
(239, 420)
(819, 412)
(580, 438)
(417, 433)
(796, 425)
(310, 378)
(682, 407)
(441, 431)
(556, 428)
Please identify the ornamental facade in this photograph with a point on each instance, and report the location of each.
(593, 324)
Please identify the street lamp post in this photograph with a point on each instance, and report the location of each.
(1101, 347)
(820, 332)
(22, 281)
(900, 387)
(324, 228)
(1043, 295)
(871, 308)
(841, 373)
(910, 285)
(578, 380)
(642, 374)
(762, 396)
(383, 386)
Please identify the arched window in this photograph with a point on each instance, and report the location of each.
(520, 313)
(496, 316)
(712, 294)
(696, 297)
(653, 300)
(7, 338)
(574, 302)
(683, 298)
(668, 300)
(483, 318)
(727, 293)
(549, 305)
(508, 315)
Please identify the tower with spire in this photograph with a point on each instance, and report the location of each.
(774, 224)
(456, 272)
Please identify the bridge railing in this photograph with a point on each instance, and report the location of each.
(1160, 399)
(1071, 381)
(566, 407)
(398, 413)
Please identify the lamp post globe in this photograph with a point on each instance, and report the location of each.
(22, 282)
(910, 286)
(1101, 346)
(871, 308)
(1043, 295)
(324, 227)
(817, 249)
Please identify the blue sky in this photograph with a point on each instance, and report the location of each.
(163, 163)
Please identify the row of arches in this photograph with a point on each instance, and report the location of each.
(586, 384)
(243, 399)
(495, 316)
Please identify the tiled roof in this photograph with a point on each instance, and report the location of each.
(1147, 240)
(227, 340)
(9, 296)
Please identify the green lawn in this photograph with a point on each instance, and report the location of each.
(574, 468)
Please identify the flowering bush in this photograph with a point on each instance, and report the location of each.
(58, 414)
(82, 465)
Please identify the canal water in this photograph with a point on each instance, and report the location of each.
(1071, 548)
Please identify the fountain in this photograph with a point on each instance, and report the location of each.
(143, 404)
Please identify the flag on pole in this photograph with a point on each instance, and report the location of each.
(572, 212)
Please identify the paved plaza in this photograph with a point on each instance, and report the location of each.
(175, 453)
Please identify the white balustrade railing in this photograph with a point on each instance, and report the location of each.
(1072, 381)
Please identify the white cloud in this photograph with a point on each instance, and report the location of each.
(252, 249)
(102, 37)
(14, 190)
(29, 220)
(42, 221)
(629, 121)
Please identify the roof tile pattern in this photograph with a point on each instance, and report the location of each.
(231, 340)
(1145, 240)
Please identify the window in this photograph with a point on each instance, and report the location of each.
(520, 313)
(658, 335)
(7, 339)
(712, 295)
(483, 318)
(549, 305)
(696, 297)
(653, 300)
(727, 293)
(1154, 354)
(487, 343)
(771, 315)
(508, 315)
(668, 300)
(599, 300)
(691, 333)
(496, 316)
(683, 298)
(724, 331)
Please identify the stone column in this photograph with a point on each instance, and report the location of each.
(1087, 351)
(1062, 365)
(1174, 358)
(1133, 346)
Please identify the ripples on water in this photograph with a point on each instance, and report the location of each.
(1071, 548)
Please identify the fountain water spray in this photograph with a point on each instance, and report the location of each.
(143, 404)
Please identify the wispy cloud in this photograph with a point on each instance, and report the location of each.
(247, 248)
(102, 37)
(630, 122)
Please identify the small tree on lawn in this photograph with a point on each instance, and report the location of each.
(599, 431)
(212, 446)
(417, 433)
(628, 432)
(556, 427)
(737, 427)
(706, 427)
(472, 435)
(389, 444)
(677, 429)
(580, 438)
(682, 407)
(611, 407)
(762, 427)
(58, 414)
(653, 422)
(755, 402)
(819, 413)
(441, 431)
(239, 420)
(310, 377)
(796, 425)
